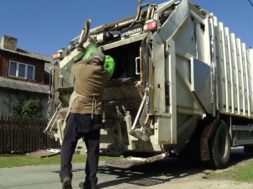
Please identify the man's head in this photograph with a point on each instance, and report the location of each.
(98, 58)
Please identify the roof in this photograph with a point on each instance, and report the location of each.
(23, 86)
(28, 54)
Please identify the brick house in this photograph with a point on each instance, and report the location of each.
(22, 77)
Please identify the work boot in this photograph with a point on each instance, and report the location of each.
(66, 183)
(83, 185)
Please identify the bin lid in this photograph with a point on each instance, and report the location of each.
(109, 62)
(109, 65)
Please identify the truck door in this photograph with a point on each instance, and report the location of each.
(164, 89)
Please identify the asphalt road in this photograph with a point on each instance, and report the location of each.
(154, 175)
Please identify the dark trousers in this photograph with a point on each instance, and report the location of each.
(81, 126)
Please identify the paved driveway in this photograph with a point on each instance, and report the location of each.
(30, 177)
(169, 173)
(46, 177)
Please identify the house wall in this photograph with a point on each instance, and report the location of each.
(5, 57)
(11, 98)
(1, 64)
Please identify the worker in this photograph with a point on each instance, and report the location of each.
(84, 119)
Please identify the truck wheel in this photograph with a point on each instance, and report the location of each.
(221, 146)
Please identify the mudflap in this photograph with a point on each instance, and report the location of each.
(129, 162)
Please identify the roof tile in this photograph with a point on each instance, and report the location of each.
(23, 86)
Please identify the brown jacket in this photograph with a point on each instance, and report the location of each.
(90, 81)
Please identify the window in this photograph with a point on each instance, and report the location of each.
(13, 68)
(21, 70)
(30, 72)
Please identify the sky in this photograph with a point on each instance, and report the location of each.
(44, 26)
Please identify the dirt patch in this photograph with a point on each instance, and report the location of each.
(226, 178)
(205, 180)
(212, 179)
(205, 184)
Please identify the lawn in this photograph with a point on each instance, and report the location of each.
(10, 160)
(244, 172)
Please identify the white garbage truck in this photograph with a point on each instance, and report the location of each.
(182, 85)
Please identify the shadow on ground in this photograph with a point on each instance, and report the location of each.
(158, 172)
(150, 174)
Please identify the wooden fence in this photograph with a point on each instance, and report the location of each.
(20, 135)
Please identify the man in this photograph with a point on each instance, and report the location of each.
(84, 119)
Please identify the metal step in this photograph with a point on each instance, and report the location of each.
(134, 161)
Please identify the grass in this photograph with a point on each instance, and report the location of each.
(10, 160)
(242, 172)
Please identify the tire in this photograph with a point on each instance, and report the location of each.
(221, 147)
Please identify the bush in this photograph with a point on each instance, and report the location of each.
(28, 108)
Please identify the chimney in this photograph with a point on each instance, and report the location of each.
(9, 43)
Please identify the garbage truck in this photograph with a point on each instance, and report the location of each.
(182, 85)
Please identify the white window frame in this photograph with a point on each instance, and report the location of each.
(33, 76)
(17, 70)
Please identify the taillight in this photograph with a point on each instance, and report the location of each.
(150, 25)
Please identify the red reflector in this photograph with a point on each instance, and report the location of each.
(150, 25)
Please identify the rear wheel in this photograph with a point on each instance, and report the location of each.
(221, 146)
